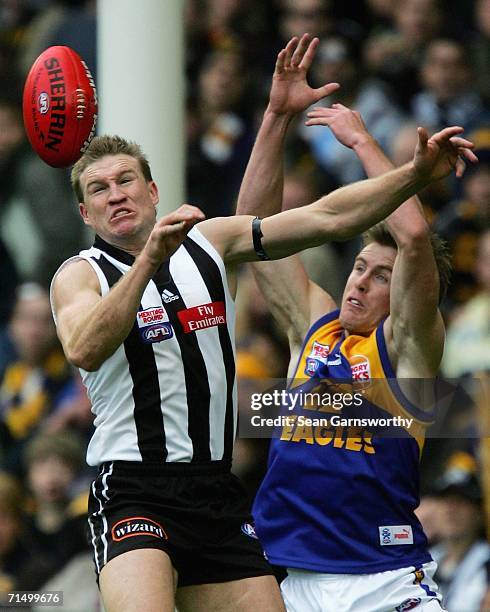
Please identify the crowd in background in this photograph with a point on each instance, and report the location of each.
(401, 63)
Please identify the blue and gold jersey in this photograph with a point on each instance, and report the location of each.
(340, 498)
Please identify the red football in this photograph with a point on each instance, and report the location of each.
(59, 106)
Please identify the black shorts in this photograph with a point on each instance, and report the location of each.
(197, 514)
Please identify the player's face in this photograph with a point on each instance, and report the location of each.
(366, 299)
(119, 202)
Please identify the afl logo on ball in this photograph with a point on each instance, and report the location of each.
(137, 526)
(43, 102)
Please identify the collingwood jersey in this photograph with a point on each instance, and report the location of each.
(340, 498)
(168, 393)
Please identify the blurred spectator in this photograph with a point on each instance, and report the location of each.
(462, 552)
(57, 523)
(220, 134)
(448, 97)
(15, 550)
(77, 28)
(462, 221)
(37, 381)
(37, 207)
(467, 349)
(395, 54)
(11, 140)
(338, 62)
(382, 11)
(15, 15)
(481, 47)
(298, 16)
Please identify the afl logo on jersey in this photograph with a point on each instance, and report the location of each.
(157, 333)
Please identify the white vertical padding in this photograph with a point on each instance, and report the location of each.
(140, 68)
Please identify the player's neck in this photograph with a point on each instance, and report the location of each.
(130, 244)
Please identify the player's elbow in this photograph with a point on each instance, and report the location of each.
(335, 227)
(414, 235)
(83, 359)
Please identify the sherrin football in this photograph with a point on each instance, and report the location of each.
(59, 106)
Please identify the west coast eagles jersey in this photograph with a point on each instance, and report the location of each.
(340, 498)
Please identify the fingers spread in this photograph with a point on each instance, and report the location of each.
(446, 133)
(280, 61)
(470, 156)
(461, 142)
(326, 90)
(290, 47)
(300, 50)
(309, 54)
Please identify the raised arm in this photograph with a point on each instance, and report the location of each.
(92, 327)
(285, 284)
(414, 330)
(343, 213)
(262, 185)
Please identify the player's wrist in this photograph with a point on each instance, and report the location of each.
(148, 261)
(363, 141)
(272, 113)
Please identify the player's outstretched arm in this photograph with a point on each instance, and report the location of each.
(284, 283)
(414, 330)
(344, 213)
(92, 327)
(290, 94)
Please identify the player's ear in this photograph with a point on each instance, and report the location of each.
(84, 213)
(153, 192)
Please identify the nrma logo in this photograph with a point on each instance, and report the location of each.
(137, 526)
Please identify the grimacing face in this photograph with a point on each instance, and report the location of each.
(366, 299)
(118, 201)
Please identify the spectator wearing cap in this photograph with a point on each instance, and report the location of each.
(462, 552)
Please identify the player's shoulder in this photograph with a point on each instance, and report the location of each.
(76, 271)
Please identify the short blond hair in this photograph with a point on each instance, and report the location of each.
(107, 145)
(381, 234)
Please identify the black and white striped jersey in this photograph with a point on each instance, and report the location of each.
(168, 393)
